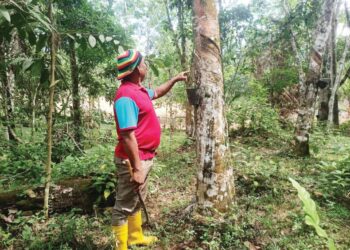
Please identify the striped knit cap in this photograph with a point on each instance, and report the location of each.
(127, 62)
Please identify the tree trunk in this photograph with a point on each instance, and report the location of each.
(337, 79)
(8, 80)
(336, 111)
(75, 94)
(345, 77)
(215, 185)
(323, 95)
(33, 106)
(51, 110)
(308, 90)
(331, 70)
(189, 121)
(9, 87)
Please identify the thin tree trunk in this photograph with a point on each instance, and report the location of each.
(337, 79)
(215, 185)
(9, 103)
(189, 120)
(51, 110)
(295, 49)
(33, 104)
(171, 28)
(75, 94)
(325, 93)
(345, 77)
(8, 80)
(308, 90)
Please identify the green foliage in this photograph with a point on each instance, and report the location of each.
(70, 231)
(252, 113)
(345, 128)
(23, 163)
(278, 79)
(311, 217)
(338, 175)
(98, 159)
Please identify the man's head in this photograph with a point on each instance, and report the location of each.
(131, 64)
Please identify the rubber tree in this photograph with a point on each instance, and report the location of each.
(48, 169)
(308, 89)
(340, 69)
(330, 65)
(215, 183)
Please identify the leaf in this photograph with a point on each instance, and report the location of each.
(120, 49)
(331, 245)
(30, 193)
(26, 64)
(109, 38)
(110, 185)
(106, 193)
(92, 41)
(37, 16)
(116, 42)
(309, 207)
(70, 36)
(102, 38)
(5, 13)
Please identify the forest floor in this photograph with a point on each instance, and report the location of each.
(267, 213)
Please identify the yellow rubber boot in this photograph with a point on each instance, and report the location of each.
(121, 236)
(136, 236)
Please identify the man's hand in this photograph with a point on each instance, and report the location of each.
(183, 76)
(139, 175)
(165, 87)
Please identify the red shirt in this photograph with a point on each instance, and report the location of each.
(145, 123)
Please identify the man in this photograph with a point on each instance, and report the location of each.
(138, 132)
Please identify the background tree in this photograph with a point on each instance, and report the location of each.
(308, 90)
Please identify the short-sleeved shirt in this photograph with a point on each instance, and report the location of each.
(133, 110)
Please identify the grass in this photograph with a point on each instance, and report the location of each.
(267, 213)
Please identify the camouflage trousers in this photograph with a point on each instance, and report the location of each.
(126, 200)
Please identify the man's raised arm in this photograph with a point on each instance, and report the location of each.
(165, 87)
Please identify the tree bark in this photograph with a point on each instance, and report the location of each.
(345, 77)
(8, 80)
(331, 68)
(33, 106)
(215, 185)
(337, 79)
(76, 113)
(308, 90)
(51, 110)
